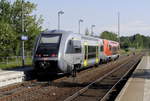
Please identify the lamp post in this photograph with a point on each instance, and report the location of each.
(22, 28)
(92, 26)
(119, 27)
(59, 13)
(79, 24)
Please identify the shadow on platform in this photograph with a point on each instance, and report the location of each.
(141, 73)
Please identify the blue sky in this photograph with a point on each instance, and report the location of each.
(135, 16)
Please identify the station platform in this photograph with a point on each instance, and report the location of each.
(137, 87)
(12, 76)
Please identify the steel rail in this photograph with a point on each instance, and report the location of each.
(81, 91)
(107, 94)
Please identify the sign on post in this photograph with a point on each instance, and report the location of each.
(24, 38)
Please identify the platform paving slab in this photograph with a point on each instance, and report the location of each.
(12, 76)
(137, 87)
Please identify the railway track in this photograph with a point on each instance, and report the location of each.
(14, 91)
(57, 89)
(103, 88)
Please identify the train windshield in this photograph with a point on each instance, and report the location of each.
(49, 44)
(50, 39)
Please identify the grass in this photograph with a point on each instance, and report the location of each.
(16, 63)
(124, 52)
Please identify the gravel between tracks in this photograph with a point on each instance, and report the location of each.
(59, 89)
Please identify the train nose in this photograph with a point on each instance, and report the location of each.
(47, 66)
(44, 64)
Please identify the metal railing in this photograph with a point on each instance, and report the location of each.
(14, 61)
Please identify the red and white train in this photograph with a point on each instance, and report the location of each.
(111, 50)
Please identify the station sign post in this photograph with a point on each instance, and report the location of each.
(23, 38)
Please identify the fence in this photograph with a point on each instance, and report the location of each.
(14, 61)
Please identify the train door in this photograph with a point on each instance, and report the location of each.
(97, 55)
(85, 54)
(77, 57)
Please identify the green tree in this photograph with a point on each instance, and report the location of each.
(5, 11)
(137, 41)
(11, 23)
(109, 35)
(146, 41)
(32, 25)
(6, 39)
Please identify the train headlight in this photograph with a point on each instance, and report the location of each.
(38, 55)
(53, 55)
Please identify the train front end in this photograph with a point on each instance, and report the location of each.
(46, 53)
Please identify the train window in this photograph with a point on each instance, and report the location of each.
(77, 50)
(91, 49)
(85, 52)
(102, 48)
(69, 47)
(77, 46)
(48, 44)
(91, 52)
(96, 51)
(110, 48)
(73, 46)
(50, 39)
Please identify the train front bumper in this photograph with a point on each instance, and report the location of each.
(46, 65)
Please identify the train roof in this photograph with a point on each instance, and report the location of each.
(56, 31)
(73, 34)
(111, 41)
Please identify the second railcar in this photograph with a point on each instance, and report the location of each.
(110, 50)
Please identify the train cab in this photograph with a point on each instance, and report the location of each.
(57, 52)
